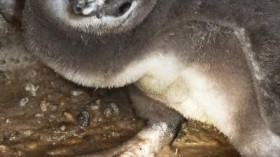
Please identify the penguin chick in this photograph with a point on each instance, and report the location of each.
(209, 60)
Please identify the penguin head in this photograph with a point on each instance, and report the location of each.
(96, 16)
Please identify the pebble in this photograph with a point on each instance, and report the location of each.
(52, 117)
(62, 101)
(23, 102)
(39, 115)
(13, 136)
(44, 106)
(69, 116)
(29, 87)
(115, 134)
(32, 145)
(108, 112)
(20, 153)
(115, 108)
(28, 132)
(8, 121)
(84, 118)
(112, 110)
(94, 107)
(62, 128)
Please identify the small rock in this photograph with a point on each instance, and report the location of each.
(94, 107)
(28, 132)
(115, 108)
(32, 145)
(112, 110)
(23, 102)
(29, 87)
(20, 153)
(108, 112)
(69, 116)
(84, 118)
(62, 128)
(115, 134)
(8, 121)
(52, 117)
(62, 101)
(39, 115)
(14, 136)
(44, 106)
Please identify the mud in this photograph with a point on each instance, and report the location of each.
(42, 114)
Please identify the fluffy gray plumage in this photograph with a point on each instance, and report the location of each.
(216, 61)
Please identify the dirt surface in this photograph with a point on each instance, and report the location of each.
(42, 114)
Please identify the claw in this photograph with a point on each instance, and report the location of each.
(147, 143)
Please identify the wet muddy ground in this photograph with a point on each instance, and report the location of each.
(42, 114)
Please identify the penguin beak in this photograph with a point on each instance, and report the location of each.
(86, 7)
(98, 8)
